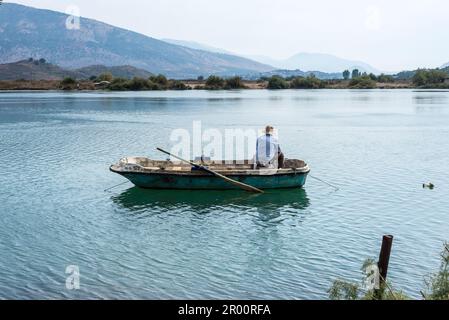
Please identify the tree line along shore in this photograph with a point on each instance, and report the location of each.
(425, 79)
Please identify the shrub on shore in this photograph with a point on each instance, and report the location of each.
(363, 82)
(383, 78)
(218, 83)
(437, 285)
(118, 84)
(68, 83)
(429, 78)
(234, 83)
(140, 84)
(107, 76)
(135, 84)
(311, 82)
(160, 80)
(277, 82)
(214, 83)
(177, 85)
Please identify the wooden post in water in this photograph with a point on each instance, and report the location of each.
(384, 260)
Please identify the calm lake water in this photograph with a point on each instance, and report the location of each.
(378, 146)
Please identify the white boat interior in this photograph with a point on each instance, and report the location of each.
(139, 164)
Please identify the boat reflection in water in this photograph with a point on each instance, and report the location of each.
(272, 205)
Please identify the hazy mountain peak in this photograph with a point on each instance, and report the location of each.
(324, 62)
(309, 61)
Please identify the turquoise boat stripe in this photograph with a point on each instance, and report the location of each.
(209, 182)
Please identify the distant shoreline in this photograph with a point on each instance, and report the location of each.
(86, 85)
(35, 74)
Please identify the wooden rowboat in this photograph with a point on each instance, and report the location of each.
(153, 174)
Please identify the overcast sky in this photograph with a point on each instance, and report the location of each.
(392, 35)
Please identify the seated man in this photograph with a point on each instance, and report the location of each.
(268, 152)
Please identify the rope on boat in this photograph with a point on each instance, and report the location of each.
(325, 182)
(121, 184)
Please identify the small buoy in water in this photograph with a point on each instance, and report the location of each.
(429, 185)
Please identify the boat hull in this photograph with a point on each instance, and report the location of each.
(210, 182)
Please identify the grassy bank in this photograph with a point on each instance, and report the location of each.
(42, 85)
(107, 83)
(86, 85)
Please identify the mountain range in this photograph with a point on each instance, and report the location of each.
(28, 32)
(304, 61)
(31, 69)
(295, 73)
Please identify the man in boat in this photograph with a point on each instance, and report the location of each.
(268, 151)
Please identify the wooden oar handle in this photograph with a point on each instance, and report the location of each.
(163, 151)
(180, 159)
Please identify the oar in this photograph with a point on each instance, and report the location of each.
(229, 180)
